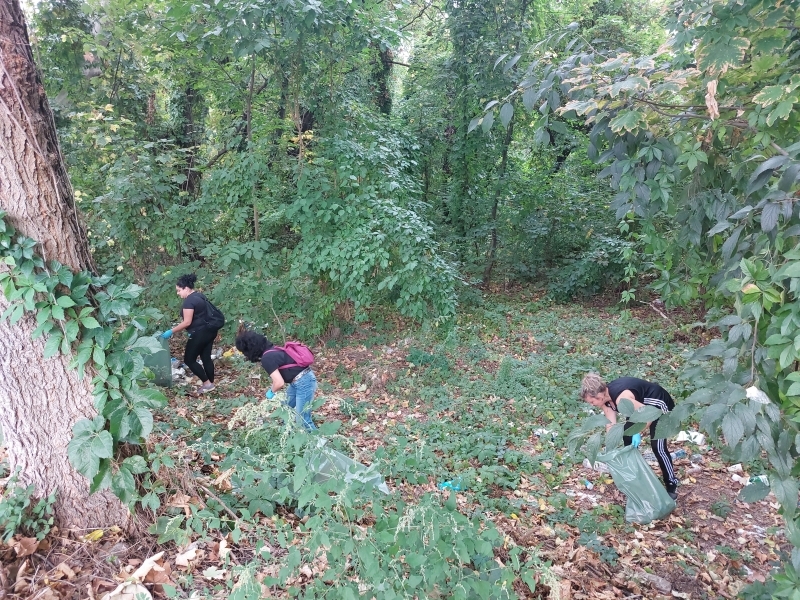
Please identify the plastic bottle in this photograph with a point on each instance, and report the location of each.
(589, 485)
(678, 454)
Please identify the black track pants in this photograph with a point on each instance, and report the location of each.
(200, 344)
(662, 455)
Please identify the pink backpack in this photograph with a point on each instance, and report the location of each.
(299, 353)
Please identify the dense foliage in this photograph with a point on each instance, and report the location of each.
(319, 162)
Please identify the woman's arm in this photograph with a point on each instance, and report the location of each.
(611, 415)
(188, 315)
(277, 380)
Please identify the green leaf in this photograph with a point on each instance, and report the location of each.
(136, 464)
(102, 480)
(123, 485)
(732, 429)
(82, 457)
(630, 84)
(786, 492)
(754, 492)
(65, 301)
(52, 344)
(629, 120)
(103, 445)
(90, 322)
(488, 121)
(770, 95)
(782, 111)
(506, 113)
(724, 53)
(645, 414)
(614, 436)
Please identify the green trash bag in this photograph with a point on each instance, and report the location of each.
(647, 498)
(160, 363)
(324, 463)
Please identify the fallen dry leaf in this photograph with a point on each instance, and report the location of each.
(65, 570)
(183, 559)
(25, 546)
(93, 536)
(147, 566)
(223, 481)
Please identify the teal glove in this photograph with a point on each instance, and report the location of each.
(270, 394)
(636, 440)
(166, 335)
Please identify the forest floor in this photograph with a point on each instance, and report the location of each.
(490, 401)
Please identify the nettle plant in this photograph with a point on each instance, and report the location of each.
(90, 319)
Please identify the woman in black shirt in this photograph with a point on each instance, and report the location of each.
(201, 337)
(605, 396)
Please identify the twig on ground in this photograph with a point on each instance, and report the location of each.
(659, 311)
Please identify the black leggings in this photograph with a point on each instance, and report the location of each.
(662, 455)
(200, 344)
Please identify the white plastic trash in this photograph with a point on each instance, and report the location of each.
(325, 463)
(598, 466)
(691, 436)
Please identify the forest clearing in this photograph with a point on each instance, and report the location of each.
(521, 277)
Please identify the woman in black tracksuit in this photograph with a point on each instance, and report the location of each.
(201, 337)
(641, 393)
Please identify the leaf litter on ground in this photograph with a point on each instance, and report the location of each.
(495, 379)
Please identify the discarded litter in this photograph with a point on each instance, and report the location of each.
(325, 463)
(543, 432)
(762, 478)
(691, 436)
(454, 485)
(650, 457)
(697, 458)
(589, 485)
(737, 468)
(598, 466)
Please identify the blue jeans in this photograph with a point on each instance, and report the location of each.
(300, 395)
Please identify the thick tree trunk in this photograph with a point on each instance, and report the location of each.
(41, 399)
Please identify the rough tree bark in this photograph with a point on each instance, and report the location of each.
(41, 399)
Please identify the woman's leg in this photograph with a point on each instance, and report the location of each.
(302, 398)
(205, 354)
(193, 348)
(664, 459)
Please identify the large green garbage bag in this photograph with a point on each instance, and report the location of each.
(324, 463)
(647, 498)
(160, 363)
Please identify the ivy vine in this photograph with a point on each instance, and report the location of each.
(90, 318)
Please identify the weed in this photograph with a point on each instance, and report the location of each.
(606, 553)
(20, 512)
(722, 508)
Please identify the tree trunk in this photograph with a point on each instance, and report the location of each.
(490, 256)
(41, 399)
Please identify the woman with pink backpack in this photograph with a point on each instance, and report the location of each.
(288, 364)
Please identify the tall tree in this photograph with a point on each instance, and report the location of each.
(41, 399)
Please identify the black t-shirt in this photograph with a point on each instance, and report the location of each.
(195, 301)
(274, 359)
(646, 392)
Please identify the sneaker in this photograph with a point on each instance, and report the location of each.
(206, 387)
(673, 495)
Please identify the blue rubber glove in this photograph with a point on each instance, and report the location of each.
(636, 440)
(270, 394)
(166, 335)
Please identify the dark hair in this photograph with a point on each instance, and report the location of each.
(187, 281)
(252, 345)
